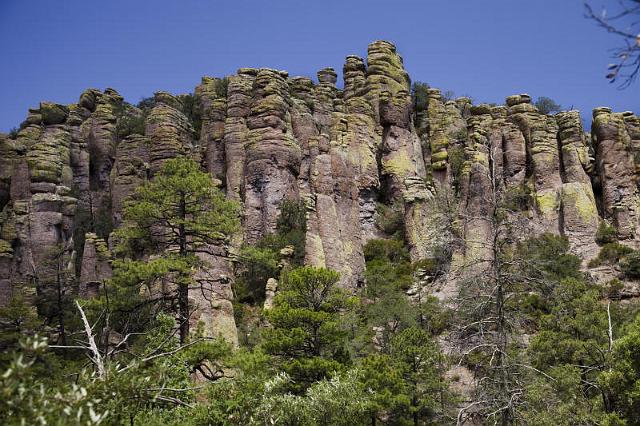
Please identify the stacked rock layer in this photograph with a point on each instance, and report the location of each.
(266, 137)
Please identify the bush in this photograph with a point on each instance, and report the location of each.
(428, 265)
(456, 162)
(293, 216)
(259, 264)
(129, 120)
(606, 233)
(129, 124)
(461, 134)
(610, 253)
(547, 105)
(420, 95)
(191, 109)
(388, 266)
(613, 288)
(291, 227)
(222, 87)
(630, 265)
(390, 219)
(262, 261)
(146, 104)
(548, 257)
(388, 250)
(448, 95)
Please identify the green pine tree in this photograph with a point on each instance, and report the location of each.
(169, 221)
(307, 336)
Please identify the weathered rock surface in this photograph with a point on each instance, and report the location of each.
(211, 297)
(272, 155)
(266, 137)
(212, 97)
(170, 131)
(578, 205)
(616, 171)
(96, 266)
(130, 169)
(38, 215)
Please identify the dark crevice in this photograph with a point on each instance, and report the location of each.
(563, 174)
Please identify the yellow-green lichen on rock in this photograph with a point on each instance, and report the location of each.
(581, 197)
(547, 202)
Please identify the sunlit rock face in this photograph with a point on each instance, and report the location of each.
(265, 137)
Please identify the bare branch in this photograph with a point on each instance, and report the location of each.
(96, 358)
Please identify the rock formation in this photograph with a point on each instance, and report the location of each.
(266, 137)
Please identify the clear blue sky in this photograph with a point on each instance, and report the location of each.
(488, 49)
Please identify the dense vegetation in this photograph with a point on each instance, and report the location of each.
(561, 353)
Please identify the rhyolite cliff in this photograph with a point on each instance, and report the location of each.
(265, 137)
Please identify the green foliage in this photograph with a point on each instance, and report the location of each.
(340, 400)
(559, 400)
(570, 379)
(420, 95)
(179, 206)
(222, 87)
(433, 316)
(630, 265)
(387, 250)
(385, 379)
(262, 261)
(175, 216)
(610, 254)
(547, 257)
(456, 164)
(17, 319)
(388, 267)
(461, 134)
(292, 227)
(622, 381)
(606, 233)
(146, 104)
(420, 363)
(131, 292)
(191, 109)
(129, 120)
(541, 263)
(13, 133)
(154, 374)
(234, 402)
(537, 266)
(406, 383)
(103, 220)
(386, 308)
(249, 322)
(260, 264)
(306, 334)
(573, 330)
(26, 399)
(547, 105)
(613, 288)
(390, 219)
(81, 225)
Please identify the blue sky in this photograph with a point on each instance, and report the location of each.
(487, 49)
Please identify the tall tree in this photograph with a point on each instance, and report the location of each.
(169, 221)
(307, 336)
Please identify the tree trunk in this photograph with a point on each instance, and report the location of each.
(183, 287)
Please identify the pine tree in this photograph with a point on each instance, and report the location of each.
(306, 334)
(169, 222)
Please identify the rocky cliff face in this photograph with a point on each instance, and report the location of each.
(266, 137)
